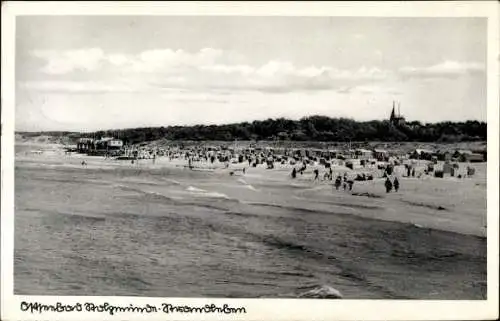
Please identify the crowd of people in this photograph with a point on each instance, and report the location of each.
(244, 159)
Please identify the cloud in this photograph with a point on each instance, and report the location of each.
(71, 60)
(447, 69)
(167, 59)
(210, 69)
(206, 69)
(118, 59)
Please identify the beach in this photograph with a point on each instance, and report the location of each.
(113, 228)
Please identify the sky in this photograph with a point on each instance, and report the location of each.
(85, 73)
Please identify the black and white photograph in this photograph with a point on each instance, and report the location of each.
(251, 157)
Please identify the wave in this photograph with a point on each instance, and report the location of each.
(142, 182)
(70, 180)
(215, 195)
(282, 244)
(314, 292)
(321, 292)
(244, 214)
(431, 206)
(250, 187)
(205, 193)
(127, 188)
(151, 194)
(194, 189)
(345, 269)
(178, 200)
(173, 181)
(295, 209)
(87, 215)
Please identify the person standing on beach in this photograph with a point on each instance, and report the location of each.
(338, 182)
(388, 185)
(316, 174)
(294, 172)
(396, 184)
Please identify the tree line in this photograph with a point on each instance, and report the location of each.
(312, 128)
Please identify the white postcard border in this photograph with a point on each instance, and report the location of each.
(257, 309)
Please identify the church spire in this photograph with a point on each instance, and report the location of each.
(393, 113)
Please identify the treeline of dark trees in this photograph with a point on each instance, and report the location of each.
(313, 128)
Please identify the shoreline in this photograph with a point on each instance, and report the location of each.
(362, 194)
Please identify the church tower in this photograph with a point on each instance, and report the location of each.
(393, 113)
(396, 119)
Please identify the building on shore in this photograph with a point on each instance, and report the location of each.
(103, 146)
(84, 145)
